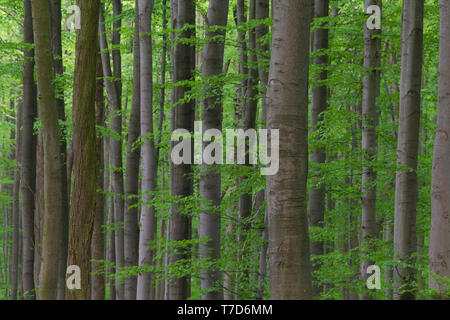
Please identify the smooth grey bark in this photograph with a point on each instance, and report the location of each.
(210, 181)
(319, 104)
(28, 157)
(408, 147)
(181, 183)
(58, 70)
(132, 171)
(289, 247)
(149, 173)
(439, 252)
(98, 233)
(370, 111)
(114, 99)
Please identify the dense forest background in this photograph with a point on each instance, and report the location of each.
(91, 92)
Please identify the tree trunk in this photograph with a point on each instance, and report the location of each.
(14, 255)
(319, 104)
(439, 255)
(289, 247)
(28, 157)
(371, 82)
(132, 171)
(53, 189)
(181, 184)
(148, 219)
(210, 181)
(114, 99)
(98, 234)
(84, 193)
(55, 24)
(407, 149)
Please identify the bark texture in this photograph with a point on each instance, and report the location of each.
(439, 256)
(210, 181)
(407, 148)
(181, 183)
(28, 157)
(84, 193)
(289, 247)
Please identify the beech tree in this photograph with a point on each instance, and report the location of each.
(289, 246)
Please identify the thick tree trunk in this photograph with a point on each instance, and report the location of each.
(408, 146)
(148, 219)
(371, 82)
(84, 193)
(181, 183)
(210, 181)
(439, 256)
(98, 234)
(132, 171)
(289, 247)
(28, 157)
(53, 189)
(319, 104)
(55, 24)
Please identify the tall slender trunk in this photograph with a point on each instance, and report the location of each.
(132, 171)
(181, 183)
(369, 140)
(210, 181)
(53, 189)
(28, 157)
(289, 247)
(84, 191)
(149, 174)
(407, 149)
(319, 104)
(118, 115)
(439, 255)
(98, 233)
(14, 251)
(117, 186)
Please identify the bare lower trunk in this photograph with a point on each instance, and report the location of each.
(439, 255)
(53, 189)
(148, 219)
(407, 149)
(210, 181)
(98, 234)
(28, 158)
(132, 172)
(181, 183)
(114, 99)
(319, 104)
(369, 141)
(84, 193)
(289, 247)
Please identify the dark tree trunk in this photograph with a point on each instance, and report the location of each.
(132, 171)
(84, 191)
(28, 157)
(98, 234)
(181, 183)
(319, 104)
(210, 181)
